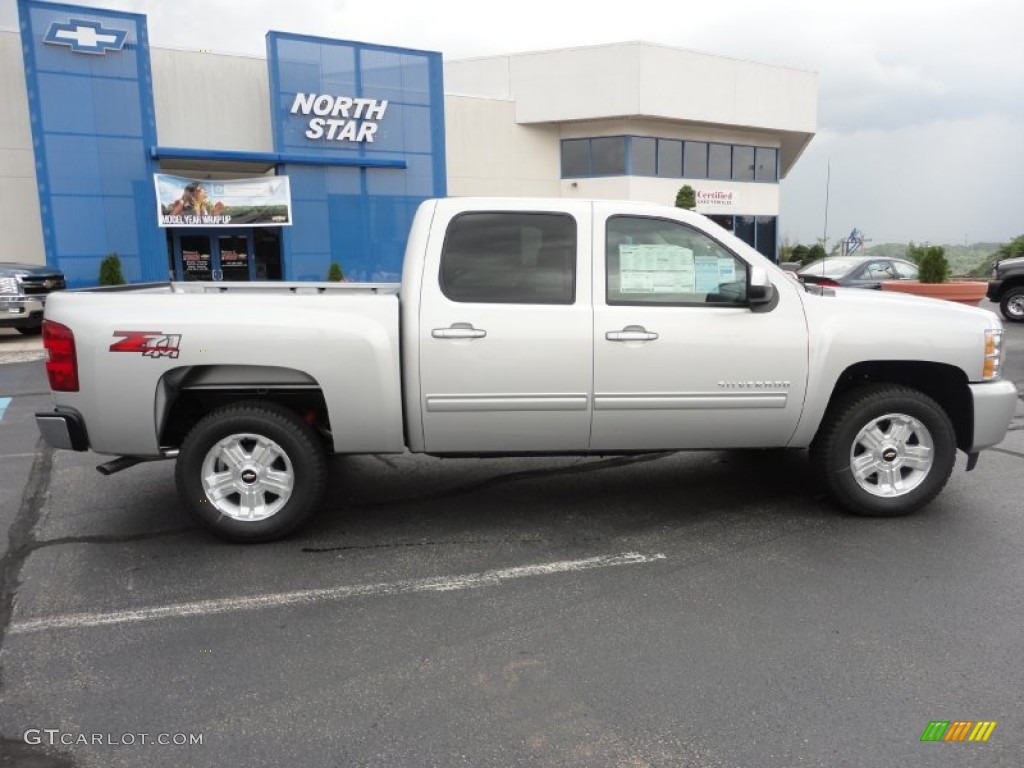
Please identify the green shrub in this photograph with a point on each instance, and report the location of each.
(686, 198)
(334, 274)
(110, 271)
(800, 254)
(933, 265)
(815, 252)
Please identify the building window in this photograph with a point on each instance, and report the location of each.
(743, 228)
(575, 158)
(670, 158)
(608, 156)
(766, 163)
(743, 163)
(725, 222)
(695, 160)
(720, 161)
(643, 156)
(510, 258)
(766, 236)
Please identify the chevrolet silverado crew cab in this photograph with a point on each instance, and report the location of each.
(23, 292)
(524, 327)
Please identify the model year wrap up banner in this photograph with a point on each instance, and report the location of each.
(264, 201)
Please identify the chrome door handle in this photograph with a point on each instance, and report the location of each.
(458, 331)
(631, 333)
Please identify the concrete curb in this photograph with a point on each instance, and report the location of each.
(16, 348)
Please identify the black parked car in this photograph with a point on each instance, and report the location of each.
(23, 292)
(1006, 288)
(857, 271)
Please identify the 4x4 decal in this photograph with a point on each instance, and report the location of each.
(148, 343)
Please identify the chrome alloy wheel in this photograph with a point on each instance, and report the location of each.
(891, 455)
(1015, 306)
(247, 477)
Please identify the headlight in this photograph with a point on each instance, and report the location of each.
(993, 367)
(9, 285)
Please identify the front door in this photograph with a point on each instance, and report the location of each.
(505, 359)
(204, 255)
(680, 359)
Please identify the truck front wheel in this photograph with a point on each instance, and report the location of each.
(251, 472)
(885, 450)
(1012, 304)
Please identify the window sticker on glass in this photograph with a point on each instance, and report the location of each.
(708, 271)
(656, 269)
(726, 269)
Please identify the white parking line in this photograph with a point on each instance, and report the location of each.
(308, 596)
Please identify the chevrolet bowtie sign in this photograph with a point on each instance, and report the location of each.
(85, 36)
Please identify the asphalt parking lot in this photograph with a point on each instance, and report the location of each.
(697, 609)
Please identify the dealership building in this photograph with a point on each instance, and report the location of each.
(201, 165)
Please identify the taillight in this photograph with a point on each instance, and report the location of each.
(827, 283)
(61, 360)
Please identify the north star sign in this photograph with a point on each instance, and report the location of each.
(85, 36)
(340, 118)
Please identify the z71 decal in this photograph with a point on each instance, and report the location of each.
(148, 343)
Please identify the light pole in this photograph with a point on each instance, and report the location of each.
(828, 183)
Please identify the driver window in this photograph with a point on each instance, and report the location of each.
(657, 261)
(879, 270)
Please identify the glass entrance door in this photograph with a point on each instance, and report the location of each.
(194, 257)
(205, 255)
(235, 253)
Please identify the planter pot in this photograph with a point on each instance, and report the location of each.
(967, 292)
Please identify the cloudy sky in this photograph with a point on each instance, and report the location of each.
(921, 104)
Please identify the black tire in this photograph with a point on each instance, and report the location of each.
(892, 479)
(1012, 304)
(30, 330)
(257, 447)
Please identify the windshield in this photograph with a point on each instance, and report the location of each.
(829, 267)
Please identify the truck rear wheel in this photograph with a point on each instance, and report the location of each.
(885, 450)
(251, 472)
(1012, 304)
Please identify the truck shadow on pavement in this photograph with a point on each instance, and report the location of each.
(375, 501)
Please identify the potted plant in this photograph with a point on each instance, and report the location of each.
(934, 279)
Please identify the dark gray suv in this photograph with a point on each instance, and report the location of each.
(23, 292)
(1006, 288)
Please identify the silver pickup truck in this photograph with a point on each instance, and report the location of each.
(524, 327)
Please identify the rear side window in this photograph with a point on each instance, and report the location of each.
(510, 258)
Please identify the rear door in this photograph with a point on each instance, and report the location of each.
(506, 359)
(681, 360)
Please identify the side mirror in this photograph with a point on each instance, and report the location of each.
(759, 288)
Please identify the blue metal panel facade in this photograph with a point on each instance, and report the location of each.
(89, 82)
(357, 216)
(91, 105)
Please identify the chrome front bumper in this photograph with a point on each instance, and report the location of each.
(994, 406)
(16, 310)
